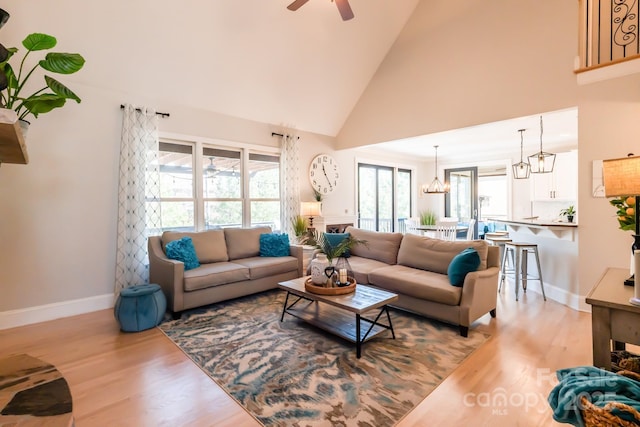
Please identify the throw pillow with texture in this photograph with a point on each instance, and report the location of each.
(274, 245)
(183, 250)
(334, 239)
(465, 262)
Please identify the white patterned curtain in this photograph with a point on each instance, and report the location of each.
(138, 195)
(289, 182)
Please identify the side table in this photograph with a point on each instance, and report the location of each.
(613, 318)
(307, 253)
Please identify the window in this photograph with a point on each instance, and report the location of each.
(222, 187)
(264, 190)
(384, 197)
(239, 187)
(177, 202)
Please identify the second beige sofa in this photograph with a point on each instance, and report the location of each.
(415, 267)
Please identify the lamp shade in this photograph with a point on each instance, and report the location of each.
(310, 208)
(621, 176)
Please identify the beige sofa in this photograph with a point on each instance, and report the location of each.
(231, 266)
(415, 268)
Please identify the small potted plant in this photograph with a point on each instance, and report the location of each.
(427, 217)
(569, 212)
(53, 95)
(299, 224)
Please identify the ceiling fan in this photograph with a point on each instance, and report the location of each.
(343, 7)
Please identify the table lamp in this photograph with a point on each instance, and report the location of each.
(622, 178)
(310, 209)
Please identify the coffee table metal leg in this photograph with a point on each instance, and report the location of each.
(284, 307)
(358, 340)
(393, 334)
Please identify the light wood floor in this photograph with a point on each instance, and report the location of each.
(142, 379)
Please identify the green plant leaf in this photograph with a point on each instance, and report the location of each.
(39, 41)
(61, 89)
(4, 53)
(11, 77)
(62, 63)
(43, 103)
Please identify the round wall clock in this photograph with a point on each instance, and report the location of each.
(324, 173)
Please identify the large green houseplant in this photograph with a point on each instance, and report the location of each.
(53, 95)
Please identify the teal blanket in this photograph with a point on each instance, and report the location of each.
(598, 385)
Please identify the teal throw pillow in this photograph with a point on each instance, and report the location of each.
(183, 250)
(274, 245)
(334, 239)
(465, 262)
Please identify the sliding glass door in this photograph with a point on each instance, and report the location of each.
(384, 197)
(462, 200)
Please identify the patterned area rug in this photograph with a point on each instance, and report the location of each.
(292, 374)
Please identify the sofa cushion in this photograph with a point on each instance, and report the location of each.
(416, 283)
(210, 244)
(274, 245)
(334, 239)
(462, 264)
(361, 268)
(244, 242)
(380, 246)
(183, 250)
(214, 274)
(268, 266)
(435, 255)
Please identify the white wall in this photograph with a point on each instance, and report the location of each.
(458, 64)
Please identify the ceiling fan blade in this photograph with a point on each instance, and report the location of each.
(345, 9)
(296, 4)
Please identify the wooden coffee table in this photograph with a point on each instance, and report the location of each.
(334, 313)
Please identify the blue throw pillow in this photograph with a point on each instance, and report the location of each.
(465, 262)
(183, 250)
(274, 245)
(334, 239)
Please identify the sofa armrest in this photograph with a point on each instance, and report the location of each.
(296, 251)
(479, 294)
(167, 273)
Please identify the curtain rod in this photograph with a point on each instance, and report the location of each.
(139, 110)
(280, 135)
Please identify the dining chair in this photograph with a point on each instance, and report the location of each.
(412, 224)
(446, 229)
(472, 223)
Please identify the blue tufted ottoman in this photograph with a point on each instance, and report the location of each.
(140, 307)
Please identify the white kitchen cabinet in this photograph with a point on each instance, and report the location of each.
(559, 185)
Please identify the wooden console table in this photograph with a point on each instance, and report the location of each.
(613, 318)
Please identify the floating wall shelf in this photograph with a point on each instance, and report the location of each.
(12, 146)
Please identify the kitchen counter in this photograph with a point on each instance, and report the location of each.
(559, 230)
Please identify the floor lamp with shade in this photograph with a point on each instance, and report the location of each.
(622, 178)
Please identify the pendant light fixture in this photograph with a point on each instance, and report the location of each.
(521, 169)
(542, 162)
(436, 186)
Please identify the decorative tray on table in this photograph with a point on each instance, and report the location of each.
(336, 290)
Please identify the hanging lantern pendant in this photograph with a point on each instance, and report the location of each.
(521, 169)
(542, 162)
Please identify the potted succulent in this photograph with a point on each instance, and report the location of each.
(12, 81)
(569, 212)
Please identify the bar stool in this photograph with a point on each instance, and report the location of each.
(521, 251)
(499, 240)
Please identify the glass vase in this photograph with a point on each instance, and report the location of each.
(344, 273)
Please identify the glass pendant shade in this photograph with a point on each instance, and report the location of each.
(436, 186)
(521, 169)
(542, 162)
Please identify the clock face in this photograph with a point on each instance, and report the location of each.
(324, 173)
